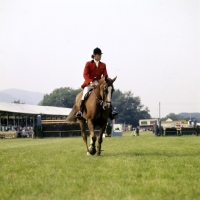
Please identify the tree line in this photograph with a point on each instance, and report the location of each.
(129, 106)
(182, 116)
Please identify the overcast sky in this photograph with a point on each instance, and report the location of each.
(153, 47)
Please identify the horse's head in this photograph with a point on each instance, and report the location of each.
(106, 89)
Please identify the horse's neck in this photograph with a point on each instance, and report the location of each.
(97, 90)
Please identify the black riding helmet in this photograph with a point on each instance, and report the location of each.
(96, 51)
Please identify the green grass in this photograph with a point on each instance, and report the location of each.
(144, 167)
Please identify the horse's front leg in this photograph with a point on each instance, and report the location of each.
(100, 139)
(92, 148)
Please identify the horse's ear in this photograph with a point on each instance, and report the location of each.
(113, 80)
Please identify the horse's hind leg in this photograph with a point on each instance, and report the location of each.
(100, 139)
(84, 134)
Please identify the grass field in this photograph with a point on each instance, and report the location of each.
(144, 167)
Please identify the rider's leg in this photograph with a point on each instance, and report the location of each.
(79, 114)
(113, 114)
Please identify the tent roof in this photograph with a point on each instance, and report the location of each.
(33, 109)
(169, 120)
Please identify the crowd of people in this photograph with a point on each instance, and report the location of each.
(22, 131)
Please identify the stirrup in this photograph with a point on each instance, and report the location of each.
(79, 114)
(114, 113)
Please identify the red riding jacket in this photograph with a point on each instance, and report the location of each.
(92, 72)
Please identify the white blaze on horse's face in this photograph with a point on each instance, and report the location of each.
(109, 96)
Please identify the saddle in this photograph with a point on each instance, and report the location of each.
(88, 94)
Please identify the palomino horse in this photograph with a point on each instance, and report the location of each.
(96, 112)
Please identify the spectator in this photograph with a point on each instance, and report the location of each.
(30, 132)
(137, 131)
(23, 133)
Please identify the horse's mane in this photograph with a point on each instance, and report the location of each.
(108, 80)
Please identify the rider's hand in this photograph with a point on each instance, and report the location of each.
(92, 84)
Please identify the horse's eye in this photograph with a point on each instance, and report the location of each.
(106, 90)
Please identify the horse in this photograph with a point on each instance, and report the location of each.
(95, 114)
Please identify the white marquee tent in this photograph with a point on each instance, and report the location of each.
(33, 109)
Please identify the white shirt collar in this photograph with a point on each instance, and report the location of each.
(96, 62)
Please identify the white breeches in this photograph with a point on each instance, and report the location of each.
(87, 88)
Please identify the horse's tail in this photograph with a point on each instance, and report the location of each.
(71, 117)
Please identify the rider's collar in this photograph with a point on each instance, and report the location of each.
(96, 61)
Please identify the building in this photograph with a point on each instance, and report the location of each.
(14, 115)
(169, 123)
(147, 124)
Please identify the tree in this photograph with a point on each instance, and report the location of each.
(181, 116)
(18, 101)
(130, 108)
(172, 116)
(61, 97)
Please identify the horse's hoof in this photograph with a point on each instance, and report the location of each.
(88, 154)
(92, 151)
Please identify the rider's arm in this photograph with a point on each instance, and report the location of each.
(86, 73)
(105, 71)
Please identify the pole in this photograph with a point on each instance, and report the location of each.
(160, 127)
(159, 110)
(113, 122)
(155, 127)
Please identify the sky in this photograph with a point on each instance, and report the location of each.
(153, 47)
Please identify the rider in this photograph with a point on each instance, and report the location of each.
(93, 72)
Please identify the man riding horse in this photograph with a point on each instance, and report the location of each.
(93, 72)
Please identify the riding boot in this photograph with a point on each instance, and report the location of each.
(79, 114)
(113, 114)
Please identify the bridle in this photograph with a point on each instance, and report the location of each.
(101, 101)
